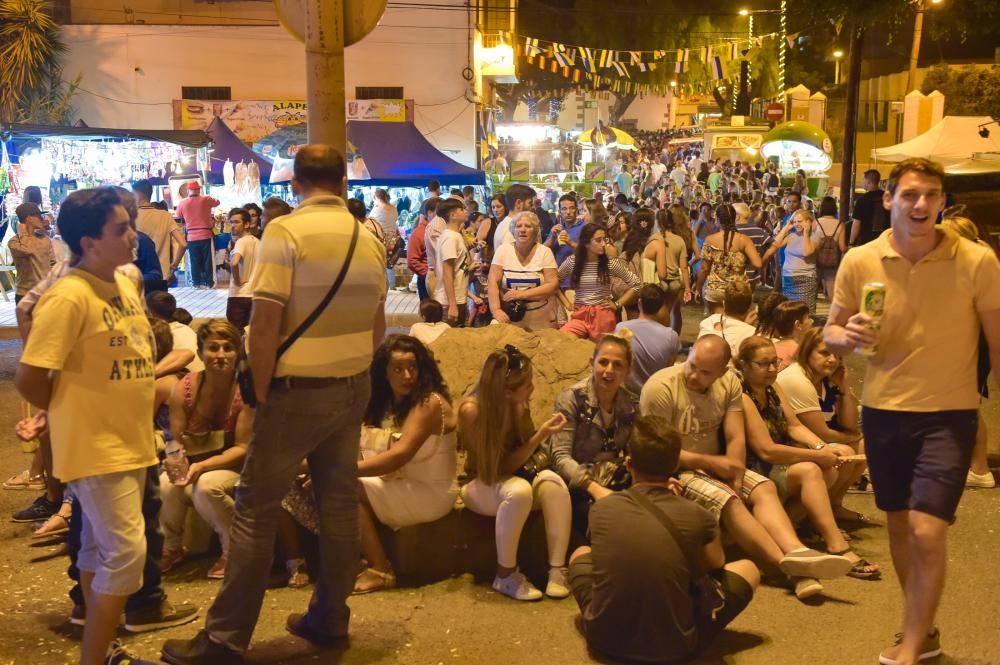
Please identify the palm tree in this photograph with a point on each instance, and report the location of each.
(31, 85)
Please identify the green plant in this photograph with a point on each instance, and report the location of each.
(967, 90)
(31, 85)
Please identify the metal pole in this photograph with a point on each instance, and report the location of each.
(325, 73)
(918, 30)
(851, 121)
(782, 44)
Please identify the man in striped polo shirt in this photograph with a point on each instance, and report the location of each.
(310, 405)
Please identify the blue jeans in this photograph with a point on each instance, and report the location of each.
(200, 272)
(324, 426)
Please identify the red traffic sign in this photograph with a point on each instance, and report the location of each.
(775, 112)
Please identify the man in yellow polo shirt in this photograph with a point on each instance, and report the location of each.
(310, 402)
(920, 399)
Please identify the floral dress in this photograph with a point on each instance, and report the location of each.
(726, 266)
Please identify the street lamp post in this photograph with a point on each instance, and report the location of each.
(918, 30)
(837, 55)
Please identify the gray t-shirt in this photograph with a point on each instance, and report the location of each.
(641, 608)
(795, 262)
(697, 416)
(654, 346)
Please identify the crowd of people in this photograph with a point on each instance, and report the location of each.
(316, 422)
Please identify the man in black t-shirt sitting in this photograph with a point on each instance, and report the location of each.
(634, 584)
(870, 217)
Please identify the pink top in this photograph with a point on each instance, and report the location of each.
(196, 211)
(786, 349)
(195, 422)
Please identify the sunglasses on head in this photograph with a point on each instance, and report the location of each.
(514, 358)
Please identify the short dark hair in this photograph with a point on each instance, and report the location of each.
(738, 297)
(241, 213)
(828, 207)
(654, 447)
(432, 204)
(357, 208)
(143, 187)
(652, 298)
(568, 197)
(914, 165)
(162, 305)
(431, 310)
(797, 195)
(274, 204)
(445, 207)
(381, 194)
(454, 191)
(163, 337)
(183, 316)
(434, 186)
(320, 165)
(873, 175)
(517, 193)
(468, 189)
(84, 213)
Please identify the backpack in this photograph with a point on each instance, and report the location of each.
(827, 252)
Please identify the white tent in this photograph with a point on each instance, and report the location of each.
(953, 139)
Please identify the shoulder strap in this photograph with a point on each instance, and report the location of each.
(326, 299)
(663, 519)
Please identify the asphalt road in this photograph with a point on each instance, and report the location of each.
(460, 621)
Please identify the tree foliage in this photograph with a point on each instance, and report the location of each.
(31, 84)
(967, 90)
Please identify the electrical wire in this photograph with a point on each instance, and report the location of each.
(122, 101)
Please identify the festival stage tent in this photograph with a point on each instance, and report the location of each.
(953, 139)
(226, 145)
(379, 154)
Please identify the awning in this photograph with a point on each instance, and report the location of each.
(184, 137)
(396, 154)
(226, 145)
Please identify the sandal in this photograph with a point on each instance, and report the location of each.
(54, 526)
(862, 569)
(854, 516)
(386, 580)
(25, 481)
(298, 575)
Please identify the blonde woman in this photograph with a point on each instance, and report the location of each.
(509, 475)
(523, 275)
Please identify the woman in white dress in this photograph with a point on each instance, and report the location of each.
(407, 470)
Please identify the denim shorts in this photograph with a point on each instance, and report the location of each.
(113, 538)
(919, 461)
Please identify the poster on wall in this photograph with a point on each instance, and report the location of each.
(251, 120)
(519, 171)
(594, 172)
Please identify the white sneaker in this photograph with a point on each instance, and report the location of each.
(980, 480)
(807, 587)
(517, 586)
(557, 587)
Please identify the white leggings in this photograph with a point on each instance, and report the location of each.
(511, 500)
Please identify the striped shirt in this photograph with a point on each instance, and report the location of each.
(591, 290)
(761, 240)
(298, 260)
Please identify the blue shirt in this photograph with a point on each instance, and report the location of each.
(654, 347)
(147, 261)
(563, 252)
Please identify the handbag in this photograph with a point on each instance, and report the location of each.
(514, 309)
(611, 473)
(706, 592)
(244, 375)
(203, 444)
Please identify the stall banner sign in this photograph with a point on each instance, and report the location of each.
(595, 172)
(519, 171)
(252, 120)
(736, 141)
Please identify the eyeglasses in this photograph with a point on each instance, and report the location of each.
(766, 364)
(514, 358)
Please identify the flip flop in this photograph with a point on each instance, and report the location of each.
(59, 525)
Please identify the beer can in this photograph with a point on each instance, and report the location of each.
(872, 304)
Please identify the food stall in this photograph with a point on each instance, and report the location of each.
(800, 145)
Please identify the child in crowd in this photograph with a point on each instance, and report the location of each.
(432, 324)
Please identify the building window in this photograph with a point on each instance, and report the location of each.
(371, 92)
(218, 93)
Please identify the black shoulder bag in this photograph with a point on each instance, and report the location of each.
(706, 591)
(244, 376)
